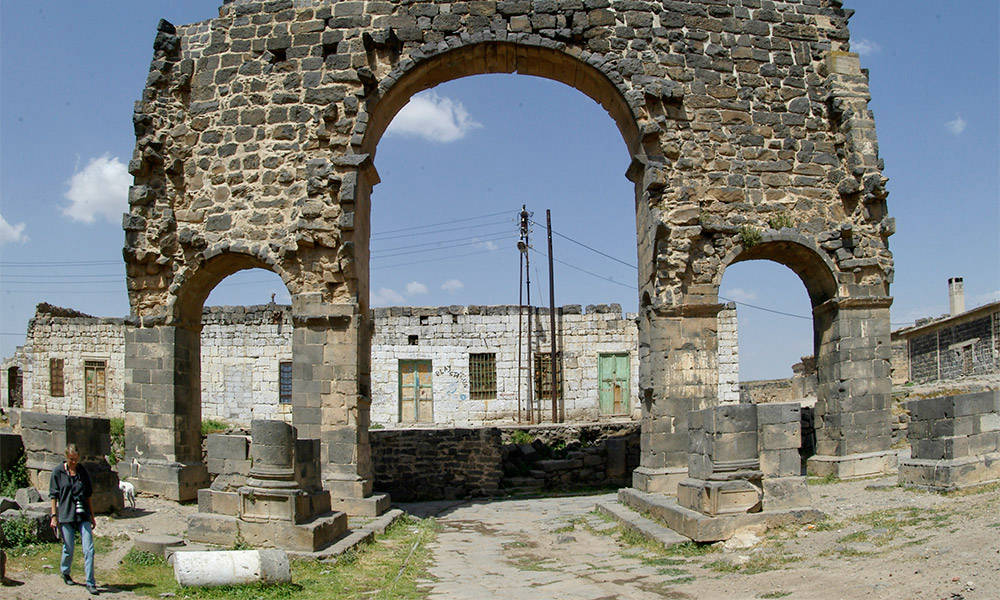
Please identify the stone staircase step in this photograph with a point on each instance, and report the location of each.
(644, 526)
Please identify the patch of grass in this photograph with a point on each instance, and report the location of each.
(564, 528)
(825, 480)
(972, 491)
(691, 549)
(681, 580)
(673, 571)
(13, 478)
(758, 563)
(827, 525)
(388, 569)
(775, 594)
(533, 563)
(375, 426)
(213, 426)
(141, 558)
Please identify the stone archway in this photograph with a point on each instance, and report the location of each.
(255, 135)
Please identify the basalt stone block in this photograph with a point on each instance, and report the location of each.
(719, 497)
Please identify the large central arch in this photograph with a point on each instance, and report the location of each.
(255, 135)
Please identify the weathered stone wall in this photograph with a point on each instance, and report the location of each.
(430, 464)
(447, 335)
(46, 437)
(954, 441)
(433, 464)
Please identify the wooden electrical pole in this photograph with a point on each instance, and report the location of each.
(552, 319)
(525, 215)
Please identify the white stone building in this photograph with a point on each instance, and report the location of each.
(442, 365)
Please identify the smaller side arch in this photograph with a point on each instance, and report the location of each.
(813, 267)
(192, 286)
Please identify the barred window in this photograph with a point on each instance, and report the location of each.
(483, 376)
(57, 386)
(285, 382)
(543, 375)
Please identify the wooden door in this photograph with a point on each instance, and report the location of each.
(95, 388)
(416, 401)
(614, 374)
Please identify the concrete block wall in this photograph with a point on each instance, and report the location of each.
(954, 441)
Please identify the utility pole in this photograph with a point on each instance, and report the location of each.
(524, 246)
(552, 320)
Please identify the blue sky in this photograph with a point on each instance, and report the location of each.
(459, 163)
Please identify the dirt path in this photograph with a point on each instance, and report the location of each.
(878, 544)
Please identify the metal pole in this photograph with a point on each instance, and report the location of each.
(520, 313)
(527, 264)
(552, 319)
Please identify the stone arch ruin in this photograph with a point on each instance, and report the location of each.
(749, 134)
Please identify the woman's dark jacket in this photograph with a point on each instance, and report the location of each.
(63, 490)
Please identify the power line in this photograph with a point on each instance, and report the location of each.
(471, 237)
(449, 247)
(582, 270)
(592, 249)
(439, 223)
(746, 304)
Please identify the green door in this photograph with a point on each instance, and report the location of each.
(416, 404)
(613, 375)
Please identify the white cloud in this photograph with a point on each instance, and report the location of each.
(452, 285)
(956, 126)
(434, 118)
(489, 246)
(99, 190)
(386, 297)
(865, 47)
(415, 287)
(11, 233)
(741, 295)
(981, 299)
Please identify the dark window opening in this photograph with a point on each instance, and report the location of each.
(483, 376)
(285, 382)
(412, 339)
(57, 386)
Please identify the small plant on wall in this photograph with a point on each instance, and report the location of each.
(780, 221)
(749, 236)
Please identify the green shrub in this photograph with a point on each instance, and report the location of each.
(117, 441)
(18, 532)
(749, 236)
(780, 221)
(521, 436)
(13, 478)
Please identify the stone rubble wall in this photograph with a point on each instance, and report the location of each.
(435, 464)
(954, 441)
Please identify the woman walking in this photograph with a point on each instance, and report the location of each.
(70, 491)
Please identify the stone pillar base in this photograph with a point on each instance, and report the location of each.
(175, 481)
(372, 506)
(950, 474)
(853, 466)
(658, 481)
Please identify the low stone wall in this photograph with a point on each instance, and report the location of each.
(954, 441)
(434, 464)
(45, 439)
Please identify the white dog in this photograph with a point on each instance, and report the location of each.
(128, 492)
